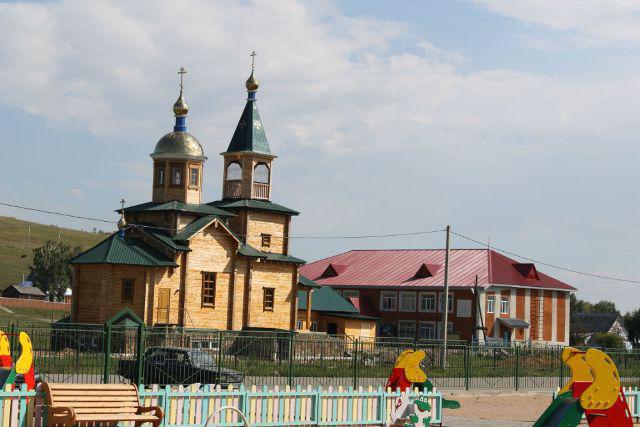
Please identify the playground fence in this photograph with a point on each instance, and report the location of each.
(92, 354)
(194, 405)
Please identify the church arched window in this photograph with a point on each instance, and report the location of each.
(261, 173)
(234, 172)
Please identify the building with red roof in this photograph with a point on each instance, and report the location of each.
(405, 289)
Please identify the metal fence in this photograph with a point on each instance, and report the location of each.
(96, 354)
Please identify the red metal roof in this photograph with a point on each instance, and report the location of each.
(389, 268)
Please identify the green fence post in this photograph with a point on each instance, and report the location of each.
(219, 377)
(291, 335)
(466, 366)
(355, 365)
(516, 370)
(107, 353)
(561, 382)
(140, 355)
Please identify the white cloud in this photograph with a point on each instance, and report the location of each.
(329, 80)
(582, 22)
(76, 192)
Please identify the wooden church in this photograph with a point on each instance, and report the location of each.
(178, 261)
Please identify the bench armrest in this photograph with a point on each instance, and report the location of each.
(156, 409)
(65, 412)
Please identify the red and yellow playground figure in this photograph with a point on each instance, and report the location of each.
(594, 390)
(24, 364)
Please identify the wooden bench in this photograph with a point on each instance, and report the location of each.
(97, 403)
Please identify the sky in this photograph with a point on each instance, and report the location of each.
(511, 121)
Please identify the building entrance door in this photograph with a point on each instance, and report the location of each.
(164, 301)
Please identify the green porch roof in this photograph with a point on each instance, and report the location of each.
(249, 134)
(326, 299)
(253, 204)
(249, 251)
(165, 238)
(127, 251)
(305, 281)
(177, 206)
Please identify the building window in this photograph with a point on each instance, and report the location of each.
(127, 290)
(504, 305)
(176, 175)
(298, 324)
(266, 240)
(491, 303)
(314, 326)
(159, 175)
(268, 299)
(388, 301)
(351, 293)
(449, 329)
(406, 329)
(427, 302)
(208, 289)
(194, 176)
(441, 302)
(427, 330)
(407, 301)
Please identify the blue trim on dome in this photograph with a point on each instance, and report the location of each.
(181, 124)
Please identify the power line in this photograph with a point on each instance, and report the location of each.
(571, 270)
(364, 236)
(56, 213)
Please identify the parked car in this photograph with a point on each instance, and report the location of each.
(175, 365)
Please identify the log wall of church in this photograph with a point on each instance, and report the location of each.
(211, 251)
(280, 278)
(267, 223)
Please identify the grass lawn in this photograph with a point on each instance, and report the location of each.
(16, 250)
(21, 315)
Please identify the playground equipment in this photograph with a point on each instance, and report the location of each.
(407, 374)
(594, 390)
(23, 366)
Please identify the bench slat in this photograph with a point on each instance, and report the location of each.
(94, 393)
(121, 410)
(91, 399)
(116, 417)
(101, 404)
(66, 386)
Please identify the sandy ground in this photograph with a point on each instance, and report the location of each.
(505, 409)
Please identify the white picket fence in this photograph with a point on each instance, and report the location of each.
(194, 405)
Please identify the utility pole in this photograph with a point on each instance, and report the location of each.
(445, 308)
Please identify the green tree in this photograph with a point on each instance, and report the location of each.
(604, 306)
(632, 323)
(605, 340)
(51, 271)
(579, 306)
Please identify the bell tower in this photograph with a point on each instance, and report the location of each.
(247, 161)
(178, 159)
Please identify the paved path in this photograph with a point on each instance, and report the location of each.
(452, 421)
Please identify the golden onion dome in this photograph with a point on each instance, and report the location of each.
(252, 83)
(122, 223)
(180, 108)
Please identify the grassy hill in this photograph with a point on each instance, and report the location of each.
(16, 248)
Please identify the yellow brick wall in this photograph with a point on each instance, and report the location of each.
(240, 284)
(268, 223)
(279, 277)
(100, 291)
(211, 251)
(165, 278)
(302, 316)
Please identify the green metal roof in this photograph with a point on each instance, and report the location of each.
(326, 299)
(305, 281)
(165, 238)
(264, 205)
(177, 206)
(128, 251)
(249, 251)
(350, 315)
(249, 134)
